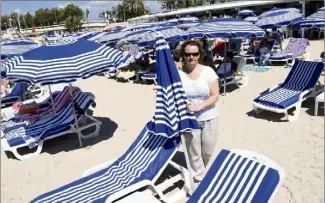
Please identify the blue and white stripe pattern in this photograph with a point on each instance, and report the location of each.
(275, 10)
(170, 34)
(246, 12)
(148, 155)
(303, 76)
(314, 20)
(111, 37)
(132, 37)
(225, 28)
(17, 47)
(171, 116)
(32, 134)
(251, 19)
(63, 63)
(278, 18)
(235, 178)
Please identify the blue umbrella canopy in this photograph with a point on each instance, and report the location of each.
(314, 20)
(225, 28)
(171, 115)
(170, 34)
(278, 18)
(62, 63)
(17, 47)
(247, 12)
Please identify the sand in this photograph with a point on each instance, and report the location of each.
(125, 108)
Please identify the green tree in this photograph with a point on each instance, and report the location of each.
(4, 22)
(73, 16)
(29, 19)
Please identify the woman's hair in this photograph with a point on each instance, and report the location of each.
(196, 43)
(322, 54)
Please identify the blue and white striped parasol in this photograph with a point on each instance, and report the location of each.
(63, 63)
(246, 12)
(171, 115)
(17, 47)
(225, 28)
(170, 34)
(132, 37)
(111, 37)
(314, 20)
(251, 19)
(278, 18)
(275, 10)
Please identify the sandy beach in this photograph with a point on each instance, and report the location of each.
(125, 108)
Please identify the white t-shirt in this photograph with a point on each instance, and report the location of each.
(198, 91)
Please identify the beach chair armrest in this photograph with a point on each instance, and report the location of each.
(98, 168)
(303, 94)
(270, 89)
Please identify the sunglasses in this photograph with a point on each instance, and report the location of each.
(191, 54)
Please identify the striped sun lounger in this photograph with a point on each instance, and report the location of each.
(298, 86)
(140, 166)
(21, 135)
(239, 176)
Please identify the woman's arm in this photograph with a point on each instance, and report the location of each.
(214, 97)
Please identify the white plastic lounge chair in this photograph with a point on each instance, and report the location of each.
(16, 95)
(238, 77)
(150, 76)
(319, 98)
(235, 176)
(239, 176)
(298, 86)
(139, 167)
(296, 49)
(21, 134)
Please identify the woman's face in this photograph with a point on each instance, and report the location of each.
(191, 54)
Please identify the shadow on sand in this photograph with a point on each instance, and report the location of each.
(70, 142)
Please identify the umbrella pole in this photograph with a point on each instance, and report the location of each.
(189, 168)
(75, 115)
(224, 75)
(54, 109)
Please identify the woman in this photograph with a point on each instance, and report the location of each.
(202, 90)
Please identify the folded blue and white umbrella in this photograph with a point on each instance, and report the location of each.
(278, 18)
(63, 63)
(225, 28)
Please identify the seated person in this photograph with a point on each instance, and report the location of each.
(5, 87)
(265, 51)
(227, 67)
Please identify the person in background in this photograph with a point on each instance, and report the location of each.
(227, 67)
(201, 87)
(264, 51)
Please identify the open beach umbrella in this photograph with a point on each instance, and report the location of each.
(63, 63)
(251, 19)
(171, 117)
(314, 20)
(113, 36)
(17, 46)
(225, 28)
(278, 18)
(275, 10)
(246, 12)
(170, 34)
(132, 37)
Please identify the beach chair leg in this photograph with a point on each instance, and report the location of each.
(26, 156)
(316, 108)
(94, 123)
(257, 110)
(295, 113)
(244, 81)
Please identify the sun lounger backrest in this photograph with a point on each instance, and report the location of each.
(303, 75)
(296, 47)
(18, 90)
(236, 178)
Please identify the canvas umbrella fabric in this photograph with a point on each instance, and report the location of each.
(63, 63)
(278, 18)
(246, 12)
(17, 47)
(314, 20)
(171, 116)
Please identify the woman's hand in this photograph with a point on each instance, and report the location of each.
(194, 107)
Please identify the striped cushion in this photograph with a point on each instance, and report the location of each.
(281, 57)
(303, 76)
(146, 157)
(31, 135)
(279, 98)
(233, 178)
